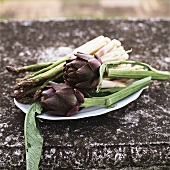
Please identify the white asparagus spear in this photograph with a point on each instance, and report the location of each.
(94, 45)
(129, 67)
(117, 48)
(91, 46)
(115, 56)
(112, 83)
(121, 66)
(108, 47)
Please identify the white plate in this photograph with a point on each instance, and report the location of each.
(86, 112)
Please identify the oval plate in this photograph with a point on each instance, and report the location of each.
(85, 112)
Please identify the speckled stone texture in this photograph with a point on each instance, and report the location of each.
(134, 137)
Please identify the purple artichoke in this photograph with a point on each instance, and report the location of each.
(61, 99)
(82, 71)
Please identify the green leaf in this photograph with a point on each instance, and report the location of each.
(33, 137)
(111, 90)
(105, 91)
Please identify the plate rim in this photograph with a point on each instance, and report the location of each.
(80, 115)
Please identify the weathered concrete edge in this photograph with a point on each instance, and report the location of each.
(99, 156)
(87, 19)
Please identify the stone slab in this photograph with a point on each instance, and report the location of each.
(136, 136)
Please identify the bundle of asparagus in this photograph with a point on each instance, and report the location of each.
(98, 64)
(33, 84)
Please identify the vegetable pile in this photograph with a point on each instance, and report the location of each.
(96, 73)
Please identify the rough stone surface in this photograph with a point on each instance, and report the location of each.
(136, 136)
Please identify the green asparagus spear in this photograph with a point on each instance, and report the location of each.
(25, 100)
(41, 88)
(42, 77)
(22, 92)
(33, 67)
(56, 63)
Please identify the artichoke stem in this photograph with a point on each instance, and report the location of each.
(137, 74)
(94, 101)
(109, 100)
(138, 85)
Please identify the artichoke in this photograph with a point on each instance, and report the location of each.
(82, 71)
(61, 99)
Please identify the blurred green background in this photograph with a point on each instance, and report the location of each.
(35, 9)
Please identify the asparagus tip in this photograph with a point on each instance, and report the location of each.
(37, 94)
(11, 69)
